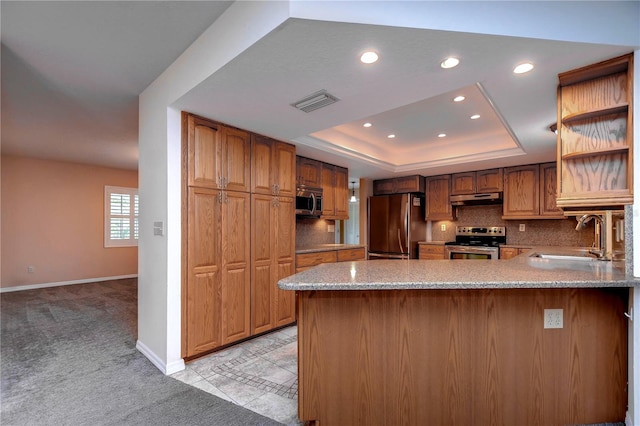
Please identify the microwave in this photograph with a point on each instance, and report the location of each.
(308, 201)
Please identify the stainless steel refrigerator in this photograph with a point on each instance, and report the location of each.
(396, 225)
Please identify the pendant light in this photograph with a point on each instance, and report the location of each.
(353, 193)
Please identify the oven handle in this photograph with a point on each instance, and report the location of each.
(472, 250)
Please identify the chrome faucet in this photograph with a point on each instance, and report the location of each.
(598, 247)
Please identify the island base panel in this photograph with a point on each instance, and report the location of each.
(462, 357)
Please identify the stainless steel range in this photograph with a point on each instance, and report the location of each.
(475, 242)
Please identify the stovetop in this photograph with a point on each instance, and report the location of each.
(487, 236)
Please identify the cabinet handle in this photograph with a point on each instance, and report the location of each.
(220, 197)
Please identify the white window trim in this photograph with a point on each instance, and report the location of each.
(132, 241)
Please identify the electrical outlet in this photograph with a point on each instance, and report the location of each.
(331, 228)
(31, 269)
(443, 227)
(553, 318)
(522, 227)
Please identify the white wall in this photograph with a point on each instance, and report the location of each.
(159, 264)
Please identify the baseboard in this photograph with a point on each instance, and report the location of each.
(166, 369)
(60, 283)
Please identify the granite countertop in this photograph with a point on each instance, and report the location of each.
(326, 247)
(522, 271)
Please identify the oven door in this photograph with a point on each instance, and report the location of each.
(472, 252)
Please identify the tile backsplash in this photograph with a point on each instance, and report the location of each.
(547, 232)
(543, 232)
(312, 231)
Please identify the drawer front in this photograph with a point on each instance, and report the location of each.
(351, 254)
(313, 259)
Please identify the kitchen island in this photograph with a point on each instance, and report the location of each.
(462, 342)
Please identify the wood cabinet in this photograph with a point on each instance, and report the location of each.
(218, 283)
(431, 251)
(438, 205)
(530, 192)
(309, 172)
(273, 167)
(305, 261)
(490, 180)
(595, 135)
(272, 257)
(217, 155)
(399, 185)
(335, 192)
(479, 182)
(510, 252)
(349, 255)
(236, 245)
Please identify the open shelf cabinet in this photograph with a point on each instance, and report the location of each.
(595, 135)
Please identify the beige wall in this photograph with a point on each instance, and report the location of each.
(52, 218)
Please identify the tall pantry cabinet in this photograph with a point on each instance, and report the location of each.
(223, 186)
(273, 233)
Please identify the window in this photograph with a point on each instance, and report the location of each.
(121, 207)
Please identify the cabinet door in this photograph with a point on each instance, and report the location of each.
(263, 246)
(328, 194)
(341, 193)
(236, 273)
(203, 292)
(309, 172)
(285, 235)
(262, 171)
(490, 180)
(204, 151)
(284, 164)
(438, 204)
(431, 251)
(384, 186)
(508, 252)
(548, 189)
(236, 160)
(521, 197)
(463, 183)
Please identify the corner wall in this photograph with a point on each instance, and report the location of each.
(52, 219)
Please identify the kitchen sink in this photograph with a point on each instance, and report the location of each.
(586, 257)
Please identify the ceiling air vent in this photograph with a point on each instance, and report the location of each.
(313, 102)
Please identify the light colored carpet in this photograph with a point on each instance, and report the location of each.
(68, 357)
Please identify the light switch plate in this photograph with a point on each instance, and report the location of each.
(158, 228)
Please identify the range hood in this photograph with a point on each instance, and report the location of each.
(476, 199)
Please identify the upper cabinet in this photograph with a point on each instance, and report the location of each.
(217, 155)
(595, 135)
(273, 167)
(530, 192)
(479, 182)
(335, 192)
(399, 185)
(438, 190)
(309, 172)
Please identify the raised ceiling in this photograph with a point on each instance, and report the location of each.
(69, 87)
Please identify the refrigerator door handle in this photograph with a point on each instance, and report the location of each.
(400, 241)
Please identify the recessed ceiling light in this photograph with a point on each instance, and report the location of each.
(369, 57)
(522, 68)
(459, 98)
(442, 135)
(475, 116)
(391, 136)
(449, 62)
(367, 125)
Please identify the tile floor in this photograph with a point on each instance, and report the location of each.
(260, 374)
